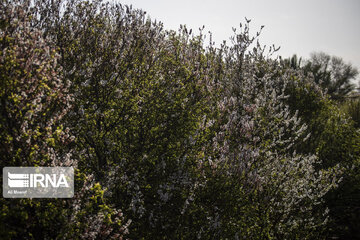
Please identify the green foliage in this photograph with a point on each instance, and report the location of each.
(170, 139)
(335, 139)
(331, 73)
(34, 98)
(352, 108)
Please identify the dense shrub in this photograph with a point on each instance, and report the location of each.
(170, 139)
(35, 97)
(335, 139)
(352, 108)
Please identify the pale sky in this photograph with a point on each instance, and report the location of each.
(297, 26)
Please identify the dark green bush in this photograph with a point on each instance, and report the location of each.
(170, 139)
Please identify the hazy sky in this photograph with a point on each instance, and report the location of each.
(297, 26)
